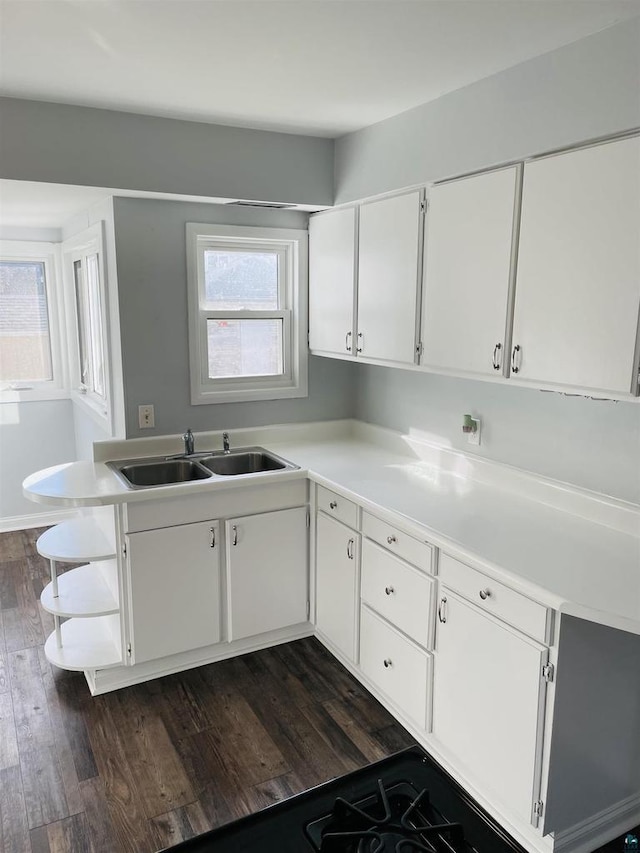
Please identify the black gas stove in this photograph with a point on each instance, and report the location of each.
(402, 804)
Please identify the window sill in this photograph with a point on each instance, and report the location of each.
(33, 395)
(250, 395)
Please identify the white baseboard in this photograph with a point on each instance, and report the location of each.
(601, 828)
(36, 519)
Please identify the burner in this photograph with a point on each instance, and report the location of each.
(395, 819)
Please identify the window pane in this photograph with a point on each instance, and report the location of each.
(245, 348)
(25, 344)
(241, 280)
(82, 312)
(95, 318)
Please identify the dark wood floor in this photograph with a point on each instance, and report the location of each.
(151, 765)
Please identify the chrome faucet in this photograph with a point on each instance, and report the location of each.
(225, 442)
(189, 443)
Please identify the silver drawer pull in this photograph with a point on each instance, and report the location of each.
(333, 505)
(389, 590)
(515, 358)
(387, 663)
(235, 534)
(442, 615)
(485, 593)
(212, 541)
(347, 341)
(391, 540)
(350, 545)
(496, 356)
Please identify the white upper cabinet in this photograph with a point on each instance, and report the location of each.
(388, 275)
(332, 279)
(467, 273)
(578, 280)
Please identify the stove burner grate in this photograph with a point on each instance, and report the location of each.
(397, 819)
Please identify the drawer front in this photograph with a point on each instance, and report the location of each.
(397, 591)
(337, 506)
(397, 667)
(399, 543)
(523, 613)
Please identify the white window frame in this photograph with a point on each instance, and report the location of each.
(292, 248)
(57, 387)
(79, 248)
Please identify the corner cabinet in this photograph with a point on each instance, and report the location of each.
(577, 295)
(267, 559)
(364, 279)
(174, 589)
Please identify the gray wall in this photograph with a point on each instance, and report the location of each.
(102, 148)
(593, 444)
(152, 284)
(33, 435)
(584, 90)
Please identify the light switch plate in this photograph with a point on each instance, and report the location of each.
(146, 416)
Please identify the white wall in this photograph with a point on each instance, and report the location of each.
(33, 435)
(65, 144)
(584, 90)
(152, 283)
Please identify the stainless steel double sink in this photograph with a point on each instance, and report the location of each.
(162, 471)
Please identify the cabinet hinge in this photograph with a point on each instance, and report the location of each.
(308, 610)
(538, 807)
(419, 348)
(129, 649)
(548, 671)
(124, 549)
(308, 517)
(424, 206)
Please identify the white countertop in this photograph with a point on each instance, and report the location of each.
(563, 559)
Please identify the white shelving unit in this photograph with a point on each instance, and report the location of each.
(86, 596)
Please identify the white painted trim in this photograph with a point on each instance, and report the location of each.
(600, 828)
(37, 519)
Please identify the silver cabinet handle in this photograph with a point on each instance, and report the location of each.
(235, 534)
(391, 540)
(350, 545)
(387, 663)
(514, 354)
(212, 541)
(484, 594)
(360, 346)
(442, 613)
(347, 341)
(496, 356)
(389, 590)
(333, 505)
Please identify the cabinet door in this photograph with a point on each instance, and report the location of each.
(337, 561)
(267, 571)
(467, 273)
(388, 273)
(332, 271)
(488, 701)
(174, 587)
(578, 280)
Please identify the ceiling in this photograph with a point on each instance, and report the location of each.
(323, 67)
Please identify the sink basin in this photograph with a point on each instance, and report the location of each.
(142, 474)
(248, 460)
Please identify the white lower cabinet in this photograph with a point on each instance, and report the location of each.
(397, 666)
(267, 577)
(488, 702)
(174, 589)
(337, 575)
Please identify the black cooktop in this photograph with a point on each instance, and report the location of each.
(404, 803)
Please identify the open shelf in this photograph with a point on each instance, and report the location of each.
(82, 592)
(77, 541)
(86, 644)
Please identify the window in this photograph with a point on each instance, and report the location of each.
(83, 268)
(30, 348)
(247, 313)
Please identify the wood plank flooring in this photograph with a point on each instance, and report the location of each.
(145, 767)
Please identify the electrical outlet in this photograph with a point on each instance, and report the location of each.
(146, 416)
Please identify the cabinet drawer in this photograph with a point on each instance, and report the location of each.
(337, 506)
(523, 613)
(397, 591)
(398, 667)
(405, 546)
